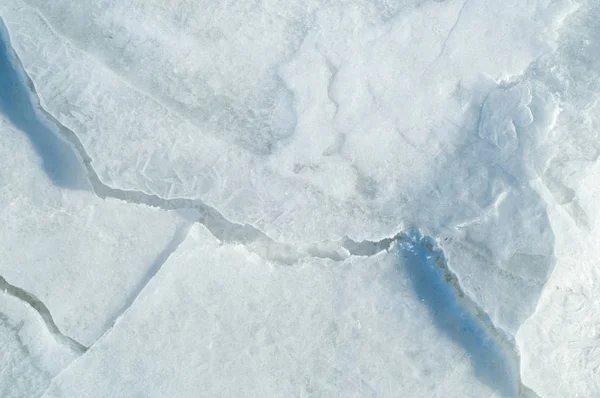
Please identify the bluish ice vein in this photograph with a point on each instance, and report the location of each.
(16, 102)
(491, 352)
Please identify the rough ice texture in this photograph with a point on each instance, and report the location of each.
(560, 343)
(382, 104)
(186, 101)
(475, 121)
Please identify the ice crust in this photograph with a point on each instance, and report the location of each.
(376, 129)
(474, 121)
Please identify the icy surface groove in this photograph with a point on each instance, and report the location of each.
(313, 146)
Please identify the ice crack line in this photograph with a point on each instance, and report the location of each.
(161, 259)
(451, 31)
(447, 38)
(221, 228)
(44, 312)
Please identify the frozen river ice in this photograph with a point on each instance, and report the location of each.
(376, 198)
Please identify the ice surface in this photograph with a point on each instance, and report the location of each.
(220, 321)
(378, 131)
(318, 145)
(559, 343)
(184, 101)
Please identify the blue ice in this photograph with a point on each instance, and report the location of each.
(453, 314)
(16, 102)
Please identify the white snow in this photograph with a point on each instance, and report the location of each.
(328, 127)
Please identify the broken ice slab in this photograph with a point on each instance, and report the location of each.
(82, 256)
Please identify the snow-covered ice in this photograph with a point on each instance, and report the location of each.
(374, 197)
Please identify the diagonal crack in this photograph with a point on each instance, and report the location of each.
(220, 227)
(178, 238)
(451, 31)
(447, 38)
(44, 312)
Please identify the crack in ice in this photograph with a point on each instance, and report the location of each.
(447, 38)
(451, 31)
(178, 238)
(43, 311)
